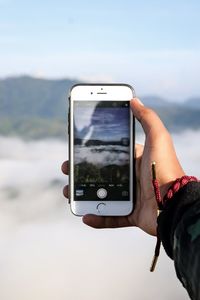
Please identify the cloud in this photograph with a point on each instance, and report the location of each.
(187, 148)
(46, 253)
(102, 155)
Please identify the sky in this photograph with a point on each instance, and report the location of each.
(153, 45)
(103, 124)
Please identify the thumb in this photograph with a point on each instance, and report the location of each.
(147, 117)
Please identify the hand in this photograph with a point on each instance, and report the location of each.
(159, 148)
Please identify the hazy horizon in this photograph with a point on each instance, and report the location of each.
(139, 93)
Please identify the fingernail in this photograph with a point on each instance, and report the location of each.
(138, 101)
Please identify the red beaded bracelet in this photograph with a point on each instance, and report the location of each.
(173, 189)
(176, 186)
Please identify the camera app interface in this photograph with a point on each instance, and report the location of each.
(101, 150)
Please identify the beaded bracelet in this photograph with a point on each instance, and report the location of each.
(173, 189)
(176, 186)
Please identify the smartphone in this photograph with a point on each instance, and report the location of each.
(101, 149)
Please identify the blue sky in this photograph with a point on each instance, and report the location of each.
(153, 45)
(102, 123)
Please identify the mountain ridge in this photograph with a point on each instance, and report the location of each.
(37, 108)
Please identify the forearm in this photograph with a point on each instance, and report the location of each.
(179, 230)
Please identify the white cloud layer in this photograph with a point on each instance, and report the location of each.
(102, 155)
(47, 253)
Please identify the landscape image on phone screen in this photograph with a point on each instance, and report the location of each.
(101, 149)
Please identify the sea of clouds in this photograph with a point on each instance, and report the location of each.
(102, 155)
(46, 253)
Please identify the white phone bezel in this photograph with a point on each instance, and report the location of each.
(100, 92)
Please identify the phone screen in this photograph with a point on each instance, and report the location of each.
(101, 150)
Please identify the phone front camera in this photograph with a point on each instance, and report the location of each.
(91, 93)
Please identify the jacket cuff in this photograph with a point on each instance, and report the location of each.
(174, 210)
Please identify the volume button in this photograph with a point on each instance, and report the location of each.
(69, 198)
(68, 124)
(68, 128)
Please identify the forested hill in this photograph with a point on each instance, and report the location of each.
(33, 107)
(28, 96)
(37, 108)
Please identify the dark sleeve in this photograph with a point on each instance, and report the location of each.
(179, 230)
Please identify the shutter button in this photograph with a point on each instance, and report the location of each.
(102, 193)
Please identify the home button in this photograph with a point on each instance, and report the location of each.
(101, 207)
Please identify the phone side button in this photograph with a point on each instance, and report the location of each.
(68, 127)
(68, 196)
(101, 207)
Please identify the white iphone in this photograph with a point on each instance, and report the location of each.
(101, 150)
